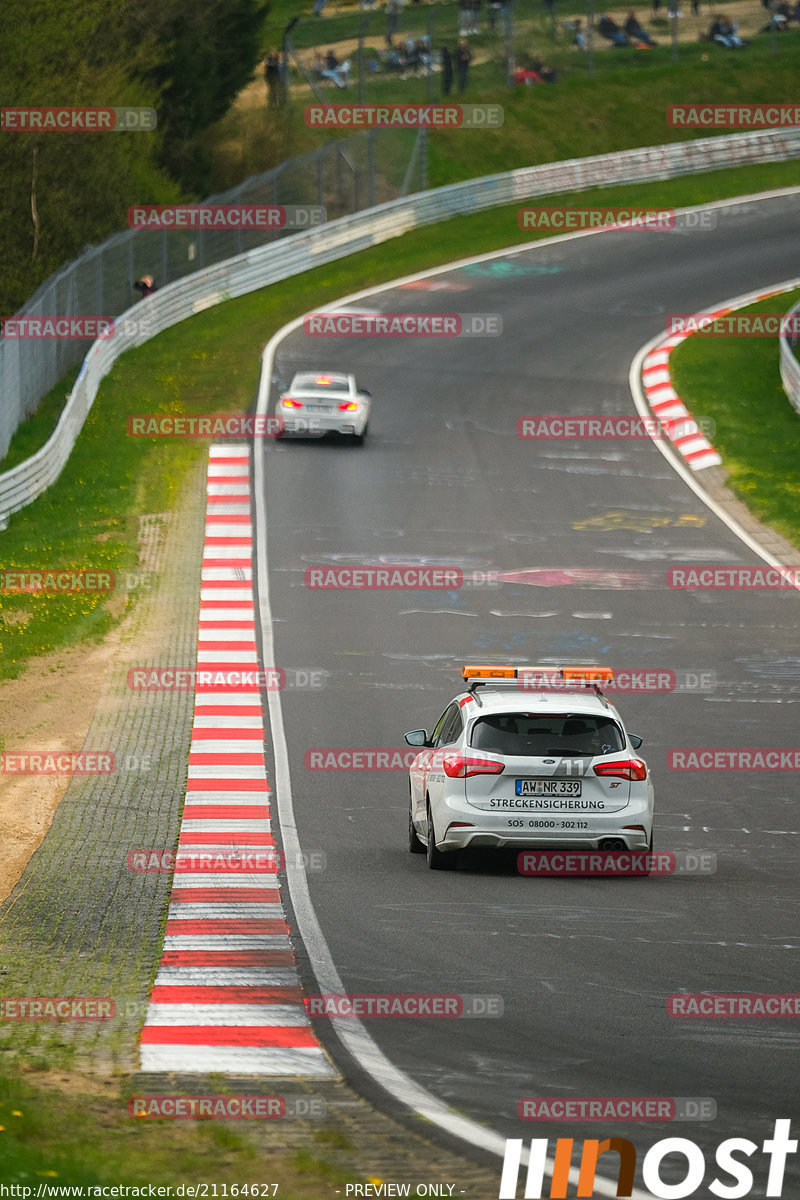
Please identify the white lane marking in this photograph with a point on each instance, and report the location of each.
(239, 879)
(236, 1060)
(225, 529)
(230, 825)
(229, 721)
(202, 910)
(209, 797)
(232, 745)
(209, 592)
(248, 1015)
(207, 613)
(226, 941)
(226, 976)
(228, 470)
(222, 508)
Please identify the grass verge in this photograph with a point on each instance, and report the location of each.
(736, 381)
(89, 1140)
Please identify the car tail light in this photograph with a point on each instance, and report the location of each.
(348, 406)
(288, 402)
(461, 766)
(630, 768)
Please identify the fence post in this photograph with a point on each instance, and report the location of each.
(371, 168)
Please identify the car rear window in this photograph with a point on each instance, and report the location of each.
(532, 735)
(320, 383)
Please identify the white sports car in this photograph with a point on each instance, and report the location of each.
(514, 763)
(317, 403)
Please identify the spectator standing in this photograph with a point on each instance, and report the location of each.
(272, 75)
(463, 59)
(393, 11)
(447, 71)
(145, 286)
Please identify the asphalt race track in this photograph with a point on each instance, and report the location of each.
(583, 966)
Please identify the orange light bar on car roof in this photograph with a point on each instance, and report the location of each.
(594, 674)
(590, 674)
(323, 379)
(489, 672)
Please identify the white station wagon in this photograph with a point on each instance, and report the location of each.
(528, 757)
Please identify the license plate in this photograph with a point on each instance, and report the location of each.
(548, 787)
(316, 407)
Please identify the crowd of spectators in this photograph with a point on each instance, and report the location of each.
(630, 34)
(415, 56)
(409, 55)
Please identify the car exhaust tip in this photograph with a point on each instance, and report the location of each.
(613, 844)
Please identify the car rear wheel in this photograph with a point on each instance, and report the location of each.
(436, 860)
(414, 844)
(358, 438)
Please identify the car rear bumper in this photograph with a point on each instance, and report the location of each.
(317, 425)
(466, 839)
(477, 829)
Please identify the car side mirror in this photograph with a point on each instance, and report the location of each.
(635, 740)
(364, 392)
(417, 737)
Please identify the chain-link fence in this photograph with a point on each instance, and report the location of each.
(343, 176)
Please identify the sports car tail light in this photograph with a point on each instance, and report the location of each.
(348, 406)
(631, 768)
(462, 766)
(287, 402)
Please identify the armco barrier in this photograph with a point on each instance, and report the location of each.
(790, 367)
(292, 255)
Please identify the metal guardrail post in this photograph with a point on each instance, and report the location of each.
(371, 192)
(590, 38)
(789, 366)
